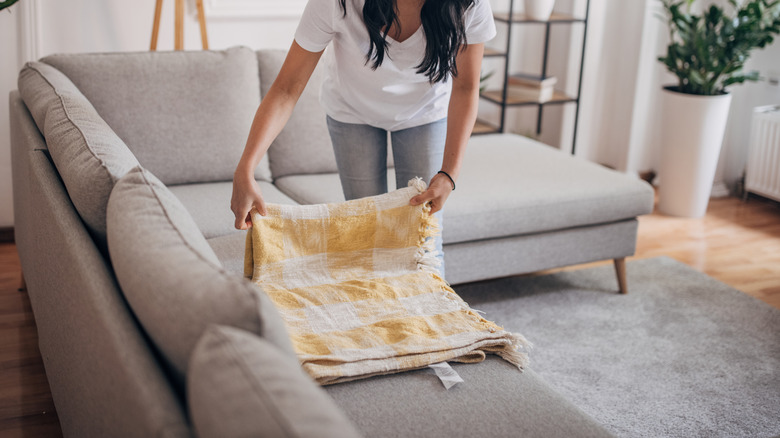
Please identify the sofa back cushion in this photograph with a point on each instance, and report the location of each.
(240, 385)
(185, 115)
(89, 156)
(303, 146)
(172, 279)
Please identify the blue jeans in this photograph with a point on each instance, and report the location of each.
(361, 156)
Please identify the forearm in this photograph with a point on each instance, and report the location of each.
(277, 106)
(270, 118)
(460, 123)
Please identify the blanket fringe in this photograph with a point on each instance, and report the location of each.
(418, 184)
(517, 352)
(427, 255)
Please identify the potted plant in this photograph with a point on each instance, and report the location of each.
(707, 53)
(6, 3)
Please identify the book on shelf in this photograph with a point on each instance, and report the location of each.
(532, 94)
(533, 81)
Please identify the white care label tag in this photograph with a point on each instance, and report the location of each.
(446, 374)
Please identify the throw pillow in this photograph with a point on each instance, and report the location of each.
(170, 276)
(89, 156)
(240, 385)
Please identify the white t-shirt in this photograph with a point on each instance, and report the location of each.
(394, 96)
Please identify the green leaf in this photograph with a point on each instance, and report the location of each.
(6, 3)
(707, 51)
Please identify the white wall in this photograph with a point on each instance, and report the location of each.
(611, 71)
(734, 154)
(9, 62)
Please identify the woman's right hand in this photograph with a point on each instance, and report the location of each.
(246, 194)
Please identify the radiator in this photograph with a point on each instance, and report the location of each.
(762, 175)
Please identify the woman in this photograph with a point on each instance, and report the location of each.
(408, 67)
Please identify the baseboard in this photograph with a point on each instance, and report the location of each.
(720, 190)
(6, 234)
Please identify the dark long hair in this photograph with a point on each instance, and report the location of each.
(442, 22)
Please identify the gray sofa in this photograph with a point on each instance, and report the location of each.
(122, 167)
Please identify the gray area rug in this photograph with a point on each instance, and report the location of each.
(682, 355)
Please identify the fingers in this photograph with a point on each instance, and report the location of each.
(246, 196)
(260, 206)
(243, 221)
(422, 198)
(436, 201)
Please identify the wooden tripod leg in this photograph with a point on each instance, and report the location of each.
(156, 25)
(178, 40)
(204, 39)
(620, 270)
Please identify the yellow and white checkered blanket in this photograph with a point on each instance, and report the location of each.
(357, 287)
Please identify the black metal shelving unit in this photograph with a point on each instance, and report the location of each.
(503, 96)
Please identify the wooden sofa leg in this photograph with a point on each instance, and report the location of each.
(620, 269)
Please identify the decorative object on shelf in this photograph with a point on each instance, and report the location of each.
(539, 10)
(707, 53)
(526, 93)
(6, 3)
(530, 87)
(527, 80)
(515, 90)
(178, 43)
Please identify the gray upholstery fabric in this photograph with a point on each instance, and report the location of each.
(171, 277)
(319, 188)
(304, 145)
(104, 378)
(558, 191)
(493, 258)
(240, 385)
(230, 251)
(209, 204)
(185, 115)
(495, 400)
(89, 156)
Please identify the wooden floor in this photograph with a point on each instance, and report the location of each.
(737, 243)
(26, 406)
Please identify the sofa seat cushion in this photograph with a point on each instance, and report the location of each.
(185, 115)
(89, 156)
(230, 250)
(320, 188)
(240, 385)
(494, 401)
(172, 279)
(511, 185)
(209, 204)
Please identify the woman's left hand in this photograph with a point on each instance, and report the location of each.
(438, 191)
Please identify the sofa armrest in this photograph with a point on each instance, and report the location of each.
(104, 378)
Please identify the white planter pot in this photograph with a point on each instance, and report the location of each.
(692, 129)
(539, 9)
